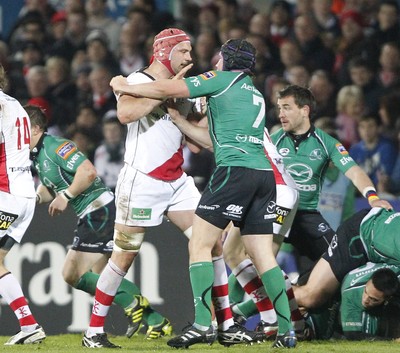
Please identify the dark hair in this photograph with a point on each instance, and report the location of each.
(302, 97)
(386, 281)
(37, 116)
(371, 117)
(238, 54)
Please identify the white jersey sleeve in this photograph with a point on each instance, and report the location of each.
(15, 134)
(154, 144)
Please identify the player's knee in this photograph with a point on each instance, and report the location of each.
(70, 278)
(127, 242)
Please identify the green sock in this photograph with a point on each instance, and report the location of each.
(276, 289)
(247, 308)
(152, 317)
(235, 290)
(202, 279)
(125, 292)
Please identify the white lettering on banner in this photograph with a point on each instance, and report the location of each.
(47, 285)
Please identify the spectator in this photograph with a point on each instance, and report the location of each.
(350, 108)
(205, 48)
(388, 27)
(374, 153)
(389, 184)
(327, 21)
(109, 155)
(350, 44)
(389, 61)
(290, 55)
(323, 88)
(103, 98)
(389, 112)
(363, 75)
(62, 91)
(131, 49)
(297, 75)
(316, 54)
(74, 38)
(99, 19)
(99, 53)
(58, 25)
(281, 23)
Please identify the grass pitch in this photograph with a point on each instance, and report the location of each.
(72, 344)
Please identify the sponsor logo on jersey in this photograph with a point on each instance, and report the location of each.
(302, 173)
(345, 160)
(66, 149)
(251, 139)
(392, 217)
(141, 213)
(72, 161)
(341, 149)
(316, 154)
(208, 75)
(271, 207)
(206, 207)
(249, 88)
(195, 81)
(6, 219)
(284, 151)
(233, 211)
(323, 227)
(281, 214)
(332, 245)
(19, 169)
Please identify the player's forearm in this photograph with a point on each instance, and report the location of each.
(198, 134)
(43, 195)
(84, 177)
(131, 108)
(161, 89)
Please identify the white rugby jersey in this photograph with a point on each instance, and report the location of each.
(153, 143)
(15, 135)
(282, 177)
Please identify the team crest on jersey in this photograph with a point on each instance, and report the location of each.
(66, 149)
(341, 148)
(208, 75)
(6, 219)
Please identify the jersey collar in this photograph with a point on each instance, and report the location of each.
(36, 150)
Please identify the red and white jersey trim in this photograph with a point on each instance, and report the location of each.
(282, 177)
(15, 133)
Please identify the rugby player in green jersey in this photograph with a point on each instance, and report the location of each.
(307, 152)
(242, 188)
(369, 235)
(69, 178)
(366, 308)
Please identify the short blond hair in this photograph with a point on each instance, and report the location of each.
(347, 94)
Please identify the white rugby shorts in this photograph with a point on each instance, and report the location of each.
(287, 200)
(16, 214)
(141, 201)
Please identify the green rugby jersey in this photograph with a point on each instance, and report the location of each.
(380, 234)
(56, 162)
(236, 117)
(307, 162)
(354, 317)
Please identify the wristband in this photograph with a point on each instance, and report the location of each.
(68, 194)
(367, 189)
(371, 195)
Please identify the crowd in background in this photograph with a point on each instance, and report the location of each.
(346, 52)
